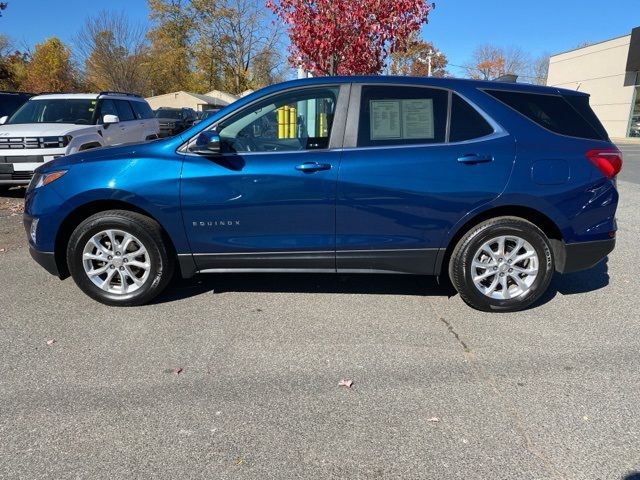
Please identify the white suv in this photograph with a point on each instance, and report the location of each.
(49, 126)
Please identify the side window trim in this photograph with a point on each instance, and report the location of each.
(447, 130)
(336, 140)
(353, 120)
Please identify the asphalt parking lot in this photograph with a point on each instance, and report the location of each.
(440, 391)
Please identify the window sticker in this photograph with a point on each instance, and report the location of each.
(385, 119)
(417, 118)
(402, 119)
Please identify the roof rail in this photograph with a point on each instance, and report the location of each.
(120, 93)
(56, 93)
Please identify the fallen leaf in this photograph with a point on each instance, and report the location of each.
(433, 419)
(585, 418)
(345, 383)
(177, 371)
(2, 250)
(51, 342)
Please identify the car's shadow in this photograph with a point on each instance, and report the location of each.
(570, 284)
(586, 281)
(14, 192)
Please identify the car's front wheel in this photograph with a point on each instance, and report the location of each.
(118, 257)
(503, 264)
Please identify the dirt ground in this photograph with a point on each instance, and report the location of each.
(12, 236)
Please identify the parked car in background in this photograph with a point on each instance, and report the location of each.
(174, 120)
(204, 114)
(495, 185)
(50, 126)
(634, 130)
(12, 101)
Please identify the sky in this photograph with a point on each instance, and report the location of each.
(456, 26)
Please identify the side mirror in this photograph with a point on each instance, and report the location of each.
(110, 119)
(3, 120)
(207, 143)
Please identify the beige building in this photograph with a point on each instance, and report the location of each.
(608, 71)
(199, 102)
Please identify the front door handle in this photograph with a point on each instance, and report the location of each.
(475, 158)
(310, 167)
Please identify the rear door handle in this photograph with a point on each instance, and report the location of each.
(475, 158)
(310, 167)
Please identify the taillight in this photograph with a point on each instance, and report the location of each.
(607, 160)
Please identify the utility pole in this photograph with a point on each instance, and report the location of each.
(429, 60)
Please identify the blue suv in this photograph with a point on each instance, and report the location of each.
(495, 185)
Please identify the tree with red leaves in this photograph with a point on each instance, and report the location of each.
(347, 37)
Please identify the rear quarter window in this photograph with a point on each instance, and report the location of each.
(466, 122)
(391, 116)
(552, 112)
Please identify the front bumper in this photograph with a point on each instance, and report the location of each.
(575, 257)
(46, 260)
(17, 166)
(16, 178)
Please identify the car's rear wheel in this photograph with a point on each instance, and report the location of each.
(118, 257)
(503, 264)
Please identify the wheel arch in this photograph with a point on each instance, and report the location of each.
(539, 219)
(77, 216)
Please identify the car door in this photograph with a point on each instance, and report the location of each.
(409, 172)
(268, 200)
(145, 119)
(111, 133)
(130, 127)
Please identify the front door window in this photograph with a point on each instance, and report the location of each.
(293, 121)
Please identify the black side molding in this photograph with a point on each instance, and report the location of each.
(416, 262)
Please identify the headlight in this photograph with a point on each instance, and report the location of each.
(42, 179)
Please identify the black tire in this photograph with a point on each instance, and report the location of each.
(460, 271)
(148, 231)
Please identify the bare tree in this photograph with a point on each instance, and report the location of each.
(238, 35)
(540, 69)
(489, 62)
(113, 51)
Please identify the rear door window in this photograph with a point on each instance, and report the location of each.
(552, 112)
(466, 122)
(399, 115)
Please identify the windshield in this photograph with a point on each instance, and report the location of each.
(77, 111)
(10, 103)
(177, 114)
